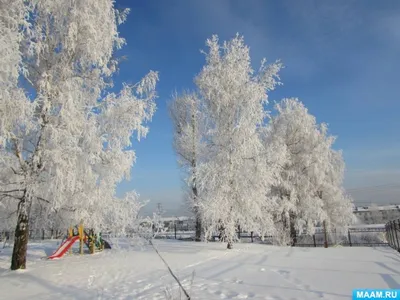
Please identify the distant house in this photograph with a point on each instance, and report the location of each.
(182, 223)
(365, 215)
(377, 214)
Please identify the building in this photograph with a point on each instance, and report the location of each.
(377, 214)
(365, 215)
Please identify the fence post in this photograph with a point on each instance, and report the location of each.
(395, 238)
(239, 232)
(251, 234)
(398, 223)
(175, 229)
(390, 234)
(387, 233)
(315, 243)
(393, 230)
(394, 234)
(349, 235)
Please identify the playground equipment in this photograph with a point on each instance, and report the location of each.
(94, 242)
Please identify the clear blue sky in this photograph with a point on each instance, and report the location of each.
(341, 59)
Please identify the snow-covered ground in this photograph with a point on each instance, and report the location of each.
(250, 271)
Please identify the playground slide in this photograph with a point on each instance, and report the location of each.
(64, 247)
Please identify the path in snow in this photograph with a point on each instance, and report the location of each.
(248, 272)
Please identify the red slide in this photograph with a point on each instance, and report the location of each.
(64, 247)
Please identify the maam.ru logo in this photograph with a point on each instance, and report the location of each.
(376, 294)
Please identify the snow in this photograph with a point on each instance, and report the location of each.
(366, 226)
(249, 271)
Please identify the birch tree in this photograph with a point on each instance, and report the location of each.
(187, 119)
(230, 179)
(67, 145)
(14, 107)
(309, 188)
(338, 205)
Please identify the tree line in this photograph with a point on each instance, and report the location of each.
(65, 138)
(273, 173)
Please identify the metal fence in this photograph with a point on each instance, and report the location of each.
(393, 234)
(388, 235)
(352, 237)
(39, 234)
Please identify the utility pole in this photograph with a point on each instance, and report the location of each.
(159, 208)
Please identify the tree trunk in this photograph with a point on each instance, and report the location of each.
(293, 236)
(325, 235)
(221, 236)
(194, 169)
(285, 227)
(284, 221)
(18, 260)
(198, 228)
(230, 245)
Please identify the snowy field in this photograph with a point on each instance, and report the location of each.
(250, 271)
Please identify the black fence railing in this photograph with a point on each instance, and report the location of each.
(352, 237)
(393, 234)
(388, 235)
(38, 234)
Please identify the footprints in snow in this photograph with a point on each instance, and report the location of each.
(297, 283)
(226, 294)
(233, 295)
(235, 280)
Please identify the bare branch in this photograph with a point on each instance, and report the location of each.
(11, 196)
(12, 191)
(11, 183)
(15, 172)
(42, 199)
(11, 214)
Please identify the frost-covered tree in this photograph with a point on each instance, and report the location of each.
(14, 107)
(188, 124)
(68, 145)
(337, 204)
(375, 215)
(309, 187)
(231, 178)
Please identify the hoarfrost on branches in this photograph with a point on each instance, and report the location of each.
(189, 126)
(275, 175)
(309, 189)
(67, 146)
(232, 179)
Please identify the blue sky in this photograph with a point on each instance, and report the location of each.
(341, 59)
